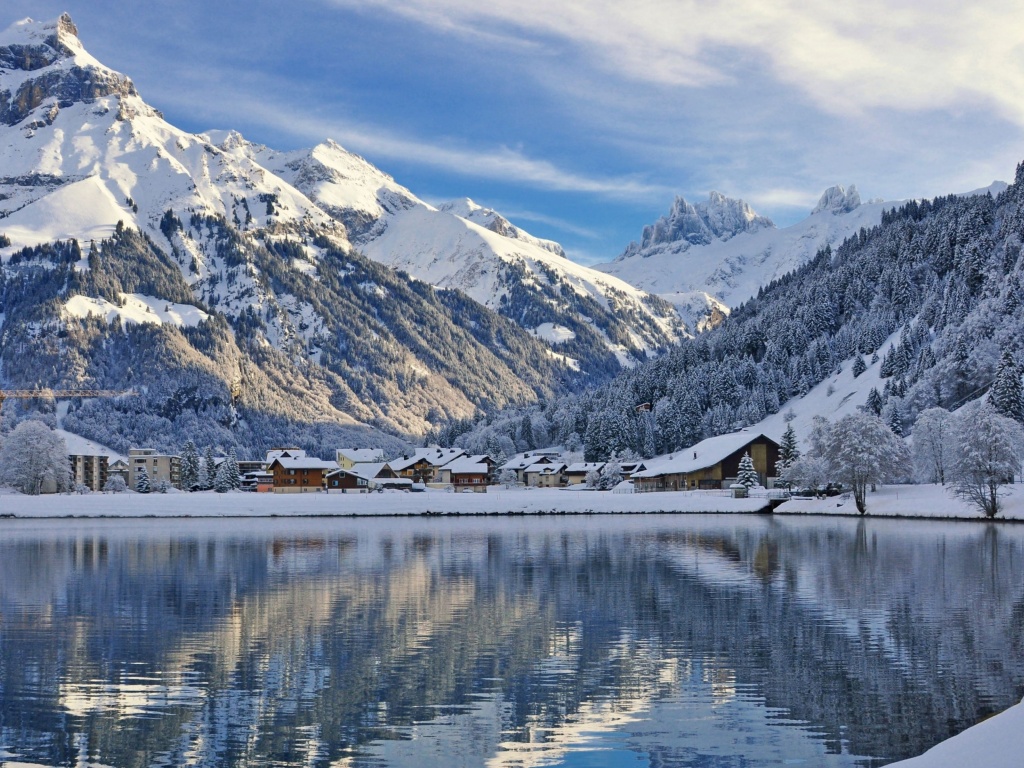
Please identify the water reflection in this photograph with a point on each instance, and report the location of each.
(666, 641)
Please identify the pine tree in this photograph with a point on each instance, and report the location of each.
(859, 366)
(788, 451)
(222, 483)
(874, 403)
(234, 476)
(208, 473)
(142, 483)
(1006, 396)
(747, 474)
(894, 421)
(189, 467)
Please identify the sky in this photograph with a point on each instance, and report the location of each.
(580, 120)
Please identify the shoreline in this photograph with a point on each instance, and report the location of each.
(917, 502)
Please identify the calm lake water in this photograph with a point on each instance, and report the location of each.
(576, 641)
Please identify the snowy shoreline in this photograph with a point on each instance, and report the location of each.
(907, 502)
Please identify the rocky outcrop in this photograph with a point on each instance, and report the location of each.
(720, 218)
(60, 81)
(838, 200)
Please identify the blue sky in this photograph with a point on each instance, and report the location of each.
(581, 120)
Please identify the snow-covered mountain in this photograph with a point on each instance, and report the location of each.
(83, 151)
(219, 277)
(710, 257)
(476, 250)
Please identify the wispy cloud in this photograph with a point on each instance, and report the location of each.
(501, 163)
(518, 214)
(847, 57)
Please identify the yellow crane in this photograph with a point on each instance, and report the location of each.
(25, 394)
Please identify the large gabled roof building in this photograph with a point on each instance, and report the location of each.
(710, 463)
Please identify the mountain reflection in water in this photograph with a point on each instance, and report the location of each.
(583, 641)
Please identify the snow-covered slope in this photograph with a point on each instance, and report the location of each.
(82, 151)
(716, 255)
(474, 249)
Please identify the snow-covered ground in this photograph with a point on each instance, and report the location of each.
(994, 743)
(494, 502)
(935, 501)
(915, 501)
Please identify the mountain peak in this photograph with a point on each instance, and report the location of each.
(720, 218)
(45, 63)
(838, 200)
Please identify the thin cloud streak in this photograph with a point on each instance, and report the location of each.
(501, 164)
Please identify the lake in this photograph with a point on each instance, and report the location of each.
(668, 640)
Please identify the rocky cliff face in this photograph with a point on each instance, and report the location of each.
(48, 64)
(720, 218)
(838, 200)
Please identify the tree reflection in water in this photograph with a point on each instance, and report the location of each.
(665, 640)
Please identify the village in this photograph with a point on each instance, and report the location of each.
(715, 463)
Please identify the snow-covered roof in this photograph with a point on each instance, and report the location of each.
(303, 462)
(360, 455)
(582, 467)
(368, 470)
(524, 460)
(278, 453)
(704, 454)
(436, 456)
(545, 469)
(469, 465)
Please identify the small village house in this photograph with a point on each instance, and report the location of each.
(468, 473)
(365, 477)
(424, 465)
(576, 474)
(547, 475)
(522, 461)
(300, 474)
(712, 463)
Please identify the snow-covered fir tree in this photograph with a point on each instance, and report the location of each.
(222, 483)
(859, 366)
(142, 484)
(789, 452)
(747, 475)
(1006, 395)
(189, 466)
(208, 471)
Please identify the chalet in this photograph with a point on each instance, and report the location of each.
(713, 463)
(348, 457)
(629, 468)
(364, 477)
(300, 474)
(468, 472)
(547, 475)
(423, 465)
(521, 461)
(576, 474)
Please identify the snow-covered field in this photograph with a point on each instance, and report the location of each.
(495, 502)
(909, 501)
(916, 501)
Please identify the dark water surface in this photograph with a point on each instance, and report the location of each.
(577, 641)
